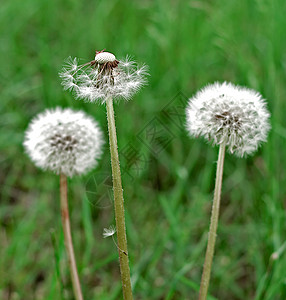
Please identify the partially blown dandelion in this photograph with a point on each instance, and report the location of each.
(64, 141)
(67, 142)
(103, 77)
(230, 116)
(225, 113)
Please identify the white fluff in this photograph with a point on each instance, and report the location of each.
(223, 112)
(64, 141)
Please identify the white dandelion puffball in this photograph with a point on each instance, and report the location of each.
(103, 77)
(64, 141)
(234, 115)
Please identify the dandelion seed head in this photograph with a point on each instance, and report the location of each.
(223, 112)
(107, 232)
(103, 77)
(64, 141)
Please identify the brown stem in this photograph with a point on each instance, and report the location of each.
(68, 237)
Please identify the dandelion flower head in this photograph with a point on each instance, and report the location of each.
(234, 115)
(64, 141)
(103, 77)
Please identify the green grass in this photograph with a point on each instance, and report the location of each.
(168, 184)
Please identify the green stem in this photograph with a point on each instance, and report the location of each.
(118, 203)
(213, 226)
(68, 237)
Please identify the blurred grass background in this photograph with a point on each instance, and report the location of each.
(168, 178)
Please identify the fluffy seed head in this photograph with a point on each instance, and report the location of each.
(104, 76)
(227, 113)
(64, 141)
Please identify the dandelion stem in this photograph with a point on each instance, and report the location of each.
(213, 226)
(68, 237)
(118, 203)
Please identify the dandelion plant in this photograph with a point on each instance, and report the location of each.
(68, 143)
(231, 117)
(103, 80)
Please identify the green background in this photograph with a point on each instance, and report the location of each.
(168, 178)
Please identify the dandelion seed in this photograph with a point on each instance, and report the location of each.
(103, 77)
(107, 232)
(227, 113)
(64, 141)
